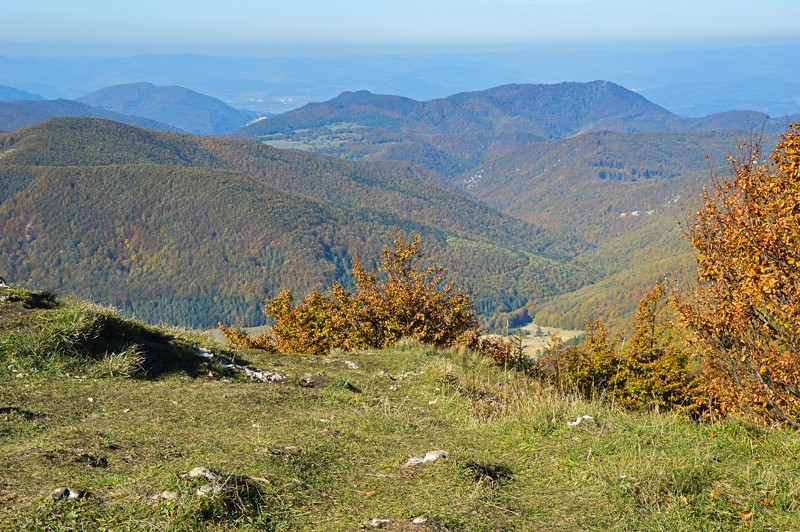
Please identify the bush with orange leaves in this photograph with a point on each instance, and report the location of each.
(401, 301)
(746, 311)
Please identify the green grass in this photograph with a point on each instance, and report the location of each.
(326, 450)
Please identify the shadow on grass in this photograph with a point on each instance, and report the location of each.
(39, 332)
(158, 352)
(27, 414)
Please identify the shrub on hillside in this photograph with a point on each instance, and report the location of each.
(590, 369)
(399, 301)
(652, 370)
(745, 312)
(657, 368)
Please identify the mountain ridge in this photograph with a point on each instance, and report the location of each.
(455, 134)
(10, 94)
(18, 114)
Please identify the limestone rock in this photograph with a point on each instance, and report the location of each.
(209, 489)
(430, 456)
(208, 474)
(65, 493)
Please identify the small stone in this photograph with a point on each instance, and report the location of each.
(379, 523)
(126, 410)
(65, 493)
(169, 495)
(352, 365)
(208, 489)
(415, 460)
(59, 493)
(421, 520)
(432, 456)
(127, 459)
(202, 352)
(203, 472)
(90, 399)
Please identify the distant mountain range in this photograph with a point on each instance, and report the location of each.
(688, 81)
(557, 199)
(137, 104)
(594, 161)
(185, 109)
(456, 134)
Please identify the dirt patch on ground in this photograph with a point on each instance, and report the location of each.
(538, 337)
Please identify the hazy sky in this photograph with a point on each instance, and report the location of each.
(200, 25)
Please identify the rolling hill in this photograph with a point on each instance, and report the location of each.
(18, 114)
(624, 193)
(184, 109)
(193, 230)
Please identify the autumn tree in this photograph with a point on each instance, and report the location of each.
(657, 365)
(746, 311)
(406, 301)
(400, 300)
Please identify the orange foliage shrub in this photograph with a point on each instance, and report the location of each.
(242, 340)
(406, 302)
(400, 301)
(315, 326)
(746, 311)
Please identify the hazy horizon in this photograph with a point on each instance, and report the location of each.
(362, 27)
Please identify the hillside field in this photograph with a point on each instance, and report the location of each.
(119, 412)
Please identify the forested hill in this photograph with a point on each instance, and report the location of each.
(183, 108)
(21, 113)
(593, 182)
(193, 230)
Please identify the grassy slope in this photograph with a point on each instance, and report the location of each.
(330, 458)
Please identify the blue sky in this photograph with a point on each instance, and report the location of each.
(236, 25)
